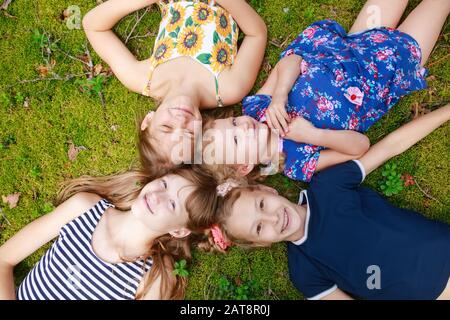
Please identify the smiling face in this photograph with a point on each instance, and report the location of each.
(237, 140)
(173, 128)
(263, 217)
(161, 204)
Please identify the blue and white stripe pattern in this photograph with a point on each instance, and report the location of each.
(70, 270)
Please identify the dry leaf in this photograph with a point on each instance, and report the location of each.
(97, 69)
(418, 110)
(408, 179)
(114, 127)
(84, 57)
(73, 151)
(26, 103)
(11, 199)
(43, 70)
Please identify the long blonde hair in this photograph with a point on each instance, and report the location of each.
(123, 188)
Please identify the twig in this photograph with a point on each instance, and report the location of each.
(148, 34)
(73, 58)
(90, 64)
(5, 5)
(56, 77)
(137, 22)
(439, 60)
(426, 194)
(4, 217)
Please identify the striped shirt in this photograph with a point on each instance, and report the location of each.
(70, 270)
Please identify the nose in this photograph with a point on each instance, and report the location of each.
(272, 218)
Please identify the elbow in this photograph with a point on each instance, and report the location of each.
(362, 147)
(88, 21)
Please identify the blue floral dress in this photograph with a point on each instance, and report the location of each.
(347, 82)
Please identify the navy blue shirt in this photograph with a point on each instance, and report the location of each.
(358, 242)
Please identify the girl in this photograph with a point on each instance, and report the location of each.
(119, 237)
(339, 81)
(344, 238)
(195, 65)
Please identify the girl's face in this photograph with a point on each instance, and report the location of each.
(161, 204)
(174, 125)
(264, 217)
(237, 140)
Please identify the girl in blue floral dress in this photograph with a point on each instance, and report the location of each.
(344, 81)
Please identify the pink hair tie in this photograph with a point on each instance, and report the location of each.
(218, 237)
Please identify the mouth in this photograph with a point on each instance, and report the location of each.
(184, 109)
(147, 203)
(286, 220)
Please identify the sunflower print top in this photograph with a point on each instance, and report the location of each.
(199, 29)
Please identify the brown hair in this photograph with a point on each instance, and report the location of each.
(224, 209)
(151, 159)
(123, 188)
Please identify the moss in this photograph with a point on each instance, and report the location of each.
(59, 113)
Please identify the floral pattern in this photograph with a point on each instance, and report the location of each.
(190, 41)
(199, 29)
(347, 82)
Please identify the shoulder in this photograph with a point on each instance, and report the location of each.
(79, 203)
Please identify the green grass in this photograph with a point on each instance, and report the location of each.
(37, 137)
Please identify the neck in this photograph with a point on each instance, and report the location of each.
(302, 212)
(183, 87)
(128, 236)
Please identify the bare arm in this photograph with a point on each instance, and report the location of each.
(242, 74)
(343, 141)
(97, 25)
(288, 70)
(403, 138)
(35, 235)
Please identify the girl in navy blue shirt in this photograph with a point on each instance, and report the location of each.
(346, 240)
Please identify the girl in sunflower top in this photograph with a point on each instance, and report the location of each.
(195, 65)
(328, 79)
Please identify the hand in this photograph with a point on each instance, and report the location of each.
(276, 115)
(301, 130)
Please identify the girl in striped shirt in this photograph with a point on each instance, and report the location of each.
(119, 237)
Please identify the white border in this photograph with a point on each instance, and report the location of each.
(361, 167)
(305, 236)
(324, 293)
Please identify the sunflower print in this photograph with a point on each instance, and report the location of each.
(202, 13)
(190, 40)
(176, 18)
(223, 24)
(163, 50)
(221, 56)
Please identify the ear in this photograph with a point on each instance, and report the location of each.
(145, 123)
(180, 233)
(244, 169)
(267, 189)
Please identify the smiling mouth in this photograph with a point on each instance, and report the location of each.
(285, 220)
(185, 110)
(148, 205)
